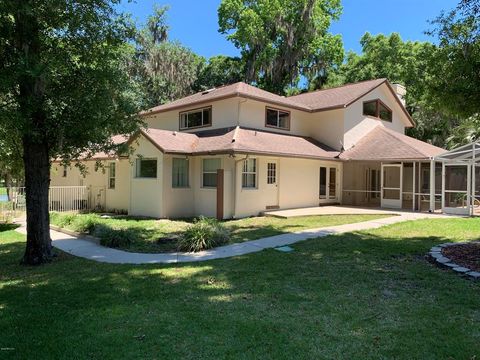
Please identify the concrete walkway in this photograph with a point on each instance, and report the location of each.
(331, 210)
(88, 249)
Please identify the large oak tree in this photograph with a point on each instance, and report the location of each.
(63, 91)
(282, 40)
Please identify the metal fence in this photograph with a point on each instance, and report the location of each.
(60, 198)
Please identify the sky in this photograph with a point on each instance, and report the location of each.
(195, 23)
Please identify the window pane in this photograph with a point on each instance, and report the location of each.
(332, 188)
(210, 179)
(271, 173)
(195, 119)
(272, 117)
(250, 165)
(179, 173)
(147, 168)
(384, 113)
(207, 119)
(323, 183)
(370, 108)
(284, 119)
(249, 180)
(183, 121)
(111, 176)
(211, 165)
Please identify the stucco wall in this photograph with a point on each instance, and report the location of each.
(327, 127)
(146, 195)
(118, 199)
(356, 125)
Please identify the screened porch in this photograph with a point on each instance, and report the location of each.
(408, 185)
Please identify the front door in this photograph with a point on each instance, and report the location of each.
(391, 193)
(272, 184)
(328, 189)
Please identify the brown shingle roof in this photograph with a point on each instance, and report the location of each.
(385, 144)
(320, 100)
(238, 89)
(336, 97)
(238, 140)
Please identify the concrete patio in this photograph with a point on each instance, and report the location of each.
(334, 210)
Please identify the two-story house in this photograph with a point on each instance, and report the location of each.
(237, 151)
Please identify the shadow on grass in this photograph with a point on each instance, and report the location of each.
(357, 294)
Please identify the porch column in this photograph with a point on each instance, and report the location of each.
(432, 186)
(413, 185)
(443, 185)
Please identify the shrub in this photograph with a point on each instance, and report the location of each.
(113, 238)
(85, 223)
(62, 220)
(203, 234)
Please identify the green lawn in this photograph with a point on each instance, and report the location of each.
(366, 295)
(153, 236)
(3, 191)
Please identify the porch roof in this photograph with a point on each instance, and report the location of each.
(465, 153)
(385, 144)
(238, 140)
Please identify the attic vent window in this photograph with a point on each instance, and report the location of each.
(196, 118)
(377, 109)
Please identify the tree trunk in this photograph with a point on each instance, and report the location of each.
(36, 158)
(37, 182)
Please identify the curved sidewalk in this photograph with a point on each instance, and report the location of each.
(89, 249)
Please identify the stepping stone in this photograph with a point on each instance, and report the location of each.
(461, 269)
(436, 249)
(284, 249)
(452, 265)
(474, 274)
(443, 260)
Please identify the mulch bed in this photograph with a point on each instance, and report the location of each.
(466, 255)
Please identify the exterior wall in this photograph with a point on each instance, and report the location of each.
(146, 195)
(224, 114)
(118, 199)
(356, 125)
(327, 127)
(253, 113)
(298, 185)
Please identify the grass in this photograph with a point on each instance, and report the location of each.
(352, 296)
(154, 236)
(3, 191)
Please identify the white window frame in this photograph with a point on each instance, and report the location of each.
(209, 172)
(186, 113)
(111, 166)
(246, 172)
(277, 126)
(187, 185)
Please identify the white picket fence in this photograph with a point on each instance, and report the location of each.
(60, 198)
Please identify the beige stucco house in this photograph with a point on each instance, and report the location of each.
(237, 151)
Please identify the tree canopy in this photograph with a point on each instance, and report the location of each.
(64, 91)
(281, 40)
